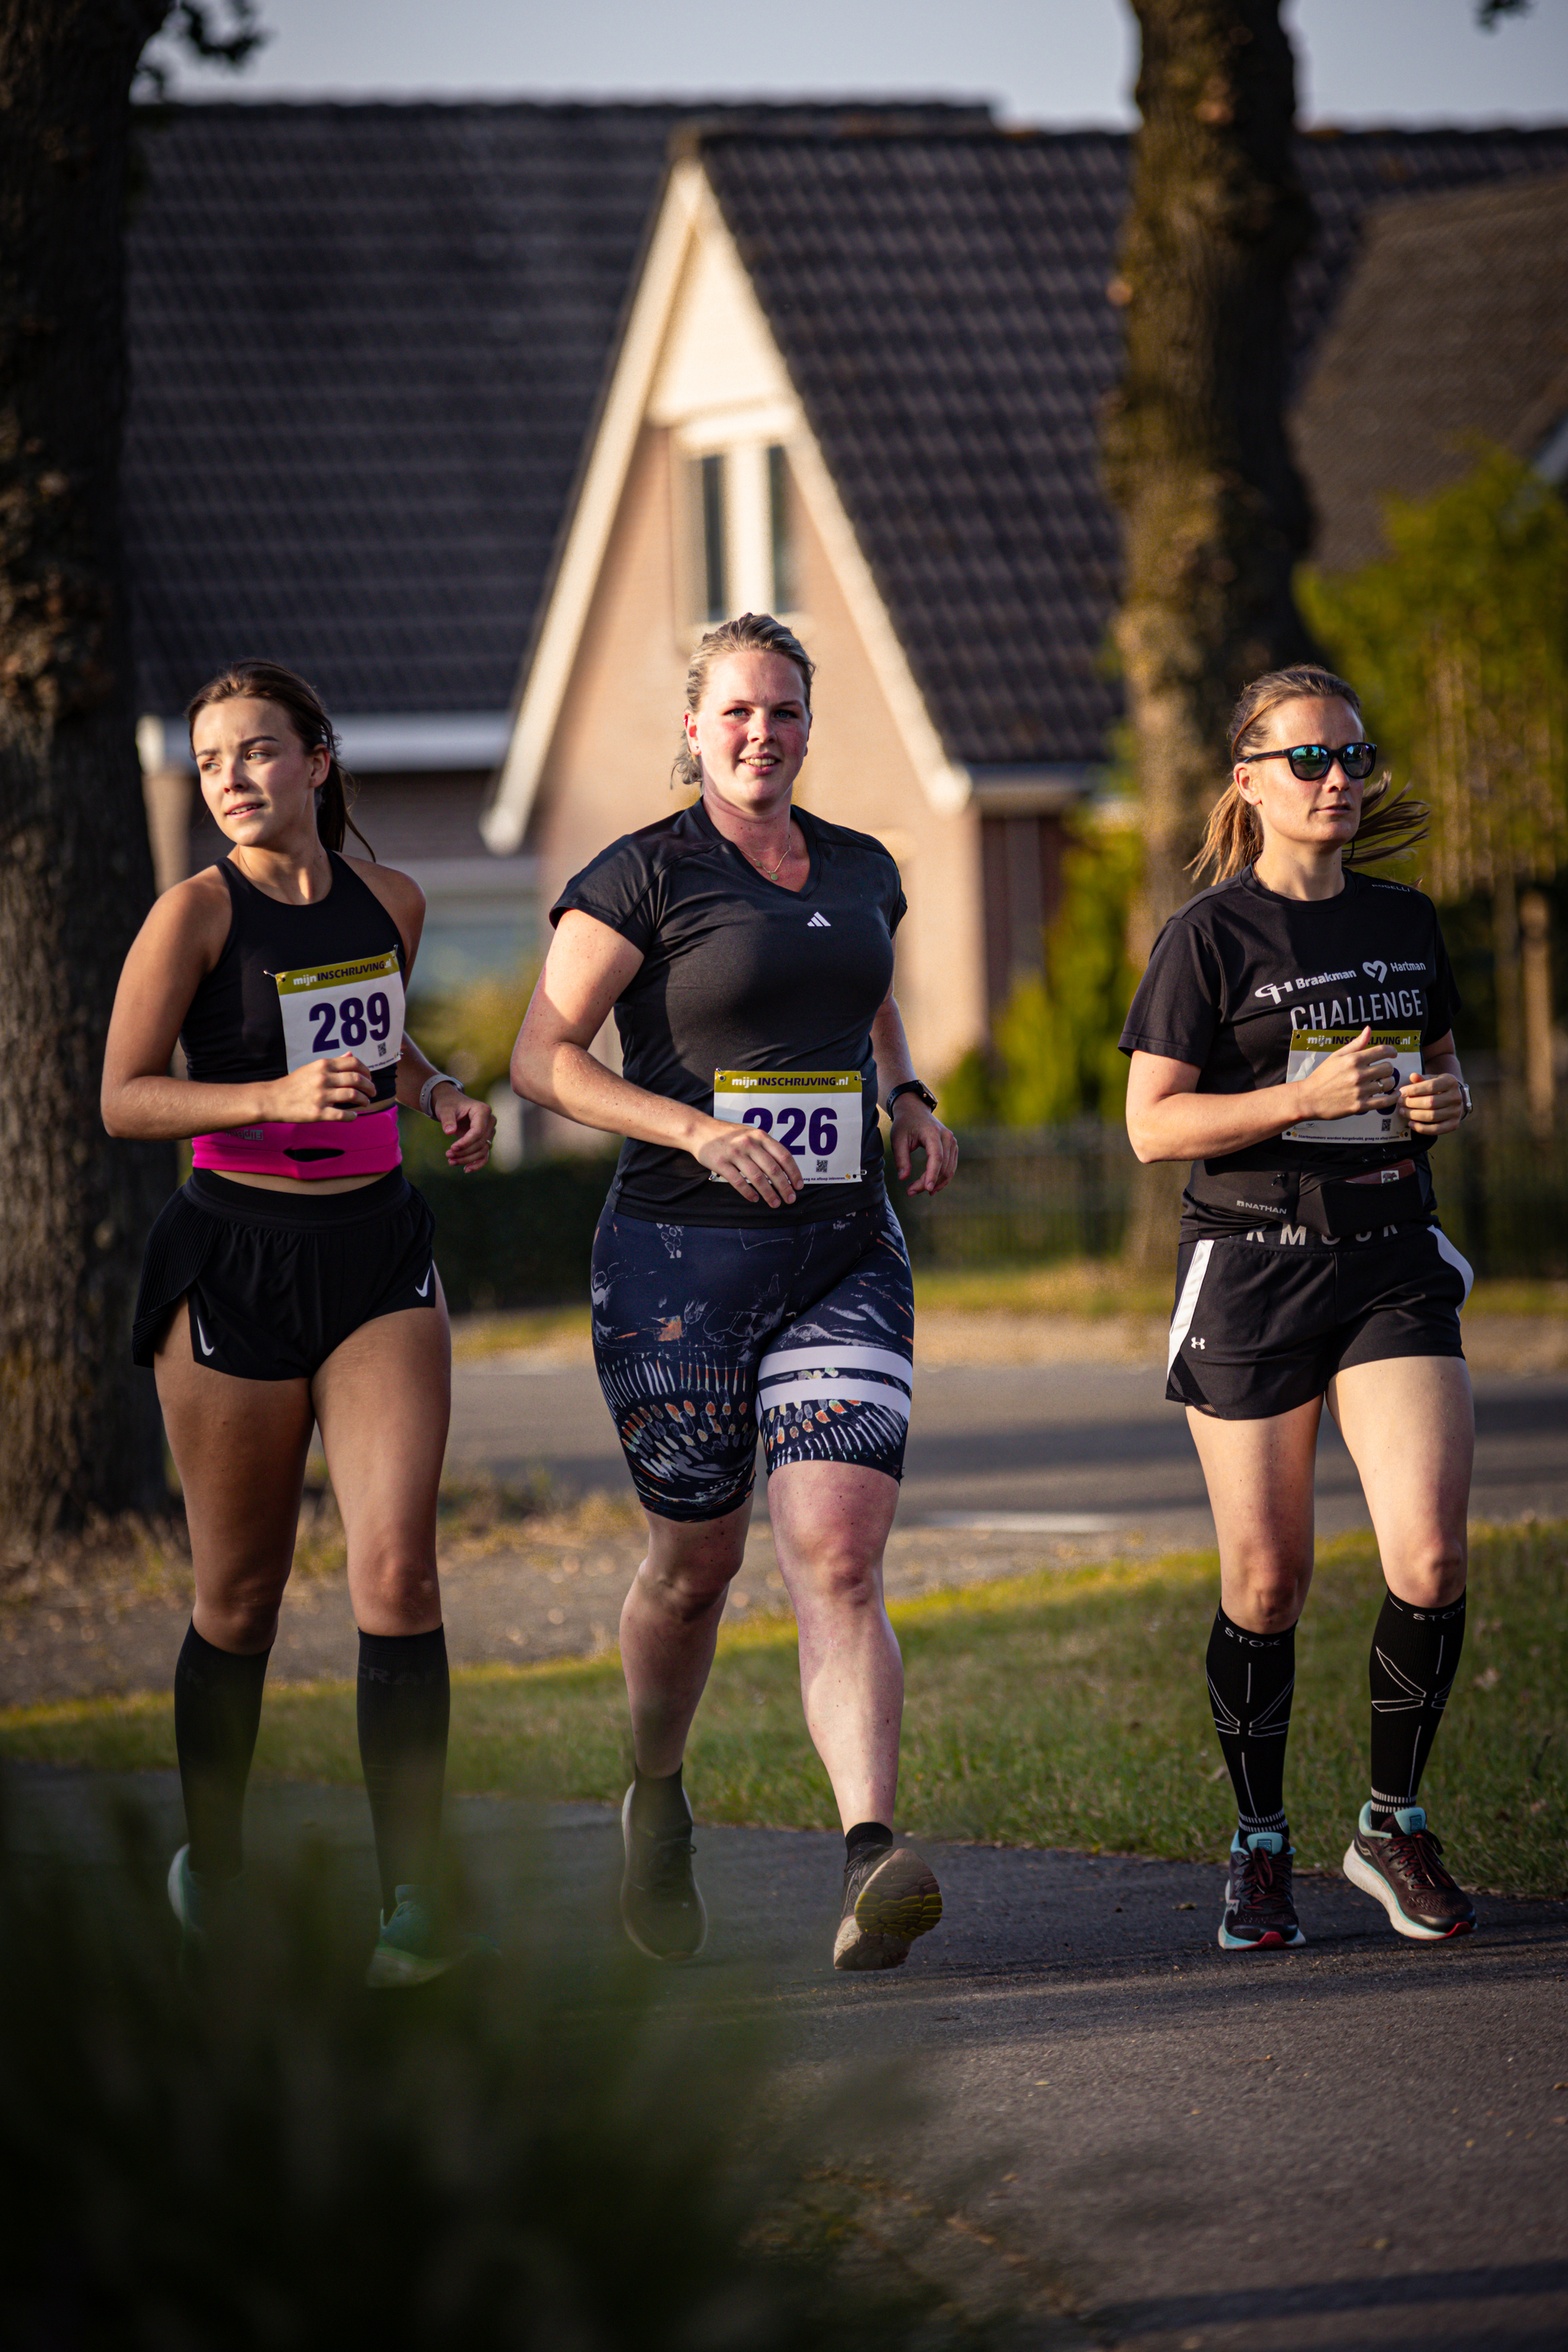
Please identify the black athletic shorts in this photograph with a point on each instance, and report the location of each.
(700, 1330)
(274, 1284)
(1264, 1320)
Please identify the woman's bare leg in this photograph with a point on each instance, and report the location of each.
(669, 1625)
(1409, 1423)
(239, 1447)
(1260, 1479)
(382, 1400)
(831, 1522)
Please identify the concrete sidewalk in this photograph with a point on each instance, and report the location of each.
(1362, 2144)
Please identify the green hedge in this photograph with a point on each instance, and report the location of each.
(525, 1238)
(519, 1239)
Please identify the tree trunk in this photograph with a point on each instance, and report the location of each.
(1506, 982)
(81, 1429)
(1535, 1004)
(1195, 448)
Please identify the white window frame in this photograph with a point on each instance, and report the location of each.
(749, 519)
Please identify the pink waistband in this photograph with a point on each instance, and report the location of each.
(367, 1146)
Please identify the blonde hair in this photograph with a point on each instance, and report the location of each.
(1233, 837)
(749, 633)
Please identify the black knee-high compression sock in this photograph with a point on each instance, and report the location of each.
(218, 1707)
(404, 1709)
(1251, 1678)
(1414, 1653)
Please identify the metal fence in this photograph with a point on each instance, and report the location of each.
(1023, 1195)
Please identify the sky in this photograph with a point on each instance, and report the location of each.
(1047, 61)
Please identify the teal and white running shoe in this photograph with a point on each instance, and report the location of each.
(1398, 1867)
(415, 1945)
(200, 1905)
(187, 1898)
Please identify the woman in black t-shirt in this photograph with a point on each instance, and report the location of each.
(748, 1268)
(1293, 1038)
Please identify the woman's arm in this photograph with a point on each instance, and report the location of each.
(914, 1126)
(1167, 1118)
(470, 1125)
(588, 967)
(177, 947)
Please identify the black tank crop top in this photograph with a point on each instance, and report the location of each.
(297, 984)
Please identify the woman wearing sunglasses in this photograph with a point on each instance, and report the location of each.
(1293, 1038)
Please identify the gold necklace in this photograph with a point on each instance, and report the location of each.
(778, 869)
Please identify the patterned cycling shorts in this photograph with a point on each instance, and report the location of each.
(699, 1331)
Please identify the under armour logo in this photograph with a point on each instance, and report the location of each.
(207, 1347)
(422, 1290)
(820, 923)
(1198, 1343)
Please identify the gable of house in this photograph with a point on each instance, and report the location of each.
(922, 324)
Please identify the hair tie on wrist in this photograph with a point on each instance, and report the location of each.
(437, 1078)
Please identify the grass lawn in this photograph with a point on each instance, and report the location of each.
(1096, 1288)
(1055, 1709)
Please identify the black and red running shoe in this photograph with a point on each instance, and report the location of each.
(1399, 1867)
(1259, 1910)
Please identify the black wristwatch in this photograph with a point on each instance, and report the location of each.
(912, 1087)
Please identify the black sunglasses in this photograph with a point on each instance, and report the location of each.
(1311, 762)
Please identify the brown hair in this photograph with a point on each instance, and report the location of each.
(269, 682)
(749, 633)
(1232, 839)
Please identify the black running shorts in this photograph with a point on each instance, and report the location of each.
(1264, 1321)
(699, 1331)
(276, 1283)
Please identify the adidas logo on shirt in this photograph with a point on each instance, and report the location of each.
(820, 923)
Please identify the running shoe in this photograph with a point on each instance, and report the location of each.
(1259, 1909)
(662, 1909)
(201, 1906)
(890, 1896)
(413, 1944)
(1399, 1868)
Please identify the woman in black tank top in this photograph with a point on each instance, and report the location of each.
(290, 1284)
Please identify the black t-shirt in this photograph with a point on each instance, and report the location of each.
(739, 974)
(1239, 972)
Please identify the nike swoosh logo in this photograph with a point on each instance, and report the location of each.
(207, 1348)
(422, 1290)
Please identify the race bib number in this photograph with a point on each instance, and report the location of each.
(815, 1114)
(345, 1008)
(1310, 1047)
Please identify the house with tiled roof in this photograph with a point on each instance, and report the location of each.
(859, 385)
(475, 413)
(367, 346)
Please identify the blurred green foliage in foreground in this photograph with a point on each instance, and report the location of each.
(544, 2151)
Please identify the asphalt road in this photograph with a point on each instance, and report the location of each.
(1085, 1447)
(1156, 2146)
